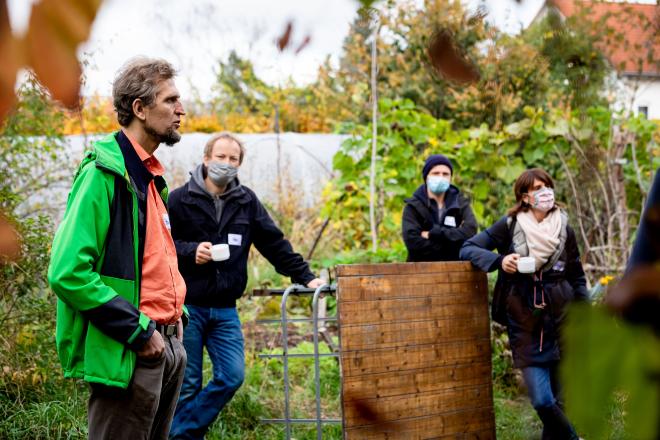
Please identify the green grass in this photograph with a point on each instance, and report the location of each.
(515, 419)
(262, 395)
(37, 403)
(63, 418)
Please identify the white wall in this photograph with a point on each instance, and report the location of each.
(630, 94)
(306, 162)
(646, 93)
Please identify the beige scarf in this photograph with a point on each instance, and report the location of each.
(542, 237)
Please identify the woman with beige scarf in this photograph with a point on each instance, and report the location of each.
(539, 275)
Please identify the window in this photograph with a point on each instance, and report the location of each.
(643, 110)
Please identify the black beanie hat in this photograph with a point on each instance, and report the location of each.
(433, 160)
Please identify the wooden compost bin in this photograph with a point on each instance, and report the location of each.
(415, 351)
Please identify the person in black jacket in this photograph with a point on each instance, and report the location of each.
(532, 305)
(214, 208)
(438, 218)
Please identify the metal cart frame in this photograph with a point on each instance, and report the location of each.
(285, 356)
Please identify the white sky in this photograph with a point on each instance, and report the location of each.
(194, 34)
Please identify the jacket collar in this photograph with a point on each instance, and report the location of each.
(136, 169)
(236, 192)
(197, 186)
(109, 155)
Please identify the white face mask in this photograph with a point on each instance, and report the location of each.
(544, 199)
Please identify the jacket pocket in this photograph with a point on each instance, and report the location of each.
(69, 339)
(561, 295)
(107, 361)
(519, 314)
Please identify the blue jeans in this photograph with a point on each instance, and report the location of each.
(542, 385)
(220, 331)
(544, 392)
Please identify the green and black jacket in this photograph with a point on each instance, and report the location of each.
(96, 264)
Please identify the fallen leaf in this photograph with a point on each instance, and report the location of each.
(8, 55)
(10, 241)
(303, 44)
(284, 39)
(56, 29)
(447, 60)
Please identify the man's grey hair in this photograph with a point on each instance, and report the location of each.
(208, 149)
(138, 79)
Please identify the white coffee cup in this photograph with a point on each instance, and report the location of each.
(220, 252)
(526, 265)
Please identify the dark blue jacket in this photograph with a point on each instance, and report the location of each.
(646, 249)
(193, 220)
(533, 333)
(445, 241)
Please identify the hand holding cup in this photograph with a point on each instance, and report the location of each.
(510, 263)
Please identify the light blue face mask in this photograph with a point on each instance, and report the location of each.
(437, 184)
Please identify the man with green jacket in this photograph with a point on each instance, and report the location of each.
(114, 266)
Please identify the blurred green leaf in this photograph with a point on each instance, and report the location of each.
(602, 356)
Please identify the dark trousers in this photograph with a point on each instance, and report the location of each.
(145, 409)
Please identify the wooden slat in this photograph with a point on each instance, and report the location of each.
(407, 333)
(484, 434)
(423, 380)
(388, 409)
(369, 295)
(406, 280)
(380, 288)
(412, 309)
(417, 356)
(403, 268)
(453, 424)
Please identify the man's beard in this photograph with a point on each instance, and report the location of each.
(169, 138)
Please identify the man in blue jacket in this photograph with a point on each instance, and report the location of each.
(214, 208)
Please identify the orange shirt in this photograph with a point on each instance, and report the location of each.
(162, 289)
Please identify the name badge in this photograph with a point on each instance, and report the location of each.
(166, 220)
(559, 266)
(235, 239)
(450, 221)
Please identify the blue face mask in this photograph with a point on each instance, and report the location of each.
(437, 184)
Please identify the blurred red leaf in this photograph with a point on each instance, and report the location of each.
(285, 38)
(303, 44)
(8, 55)
(56, 29)
(636, 298)
(10, 241)
(447, 60)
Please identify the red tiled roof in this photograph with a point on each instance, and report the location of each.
(623, 18)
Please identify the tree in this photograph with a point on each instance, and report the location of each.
(239, 89)
(511, 78)
(576, 67)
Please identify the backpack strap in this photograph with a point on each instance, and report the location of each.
(518, 238)
(563, 234)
